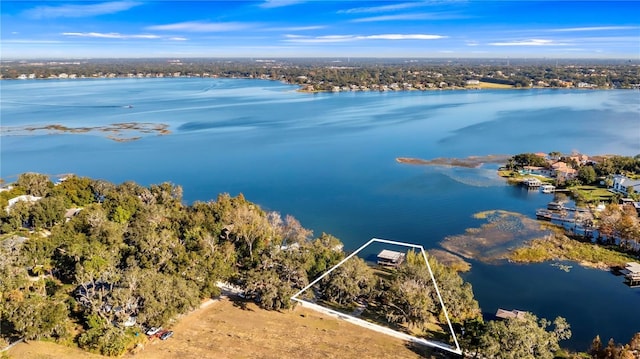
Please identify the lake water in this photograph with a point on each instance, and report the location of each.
(329, 160)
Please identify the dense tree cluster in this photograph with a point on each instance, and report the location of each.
(620, 225)
(615, 351)
(523, 338)
(127, 251)
(617, 165)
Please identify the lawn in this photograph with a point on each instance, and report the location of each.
(591, 194)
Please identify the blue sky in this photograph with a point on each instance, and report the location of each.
(315, 28)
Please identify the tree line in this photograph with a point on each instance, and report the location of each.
(325, 74)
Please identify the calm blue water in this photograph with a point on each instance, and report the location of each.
(329, 160)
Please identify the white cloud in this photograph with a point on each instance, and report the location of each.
(34, 42)
(405, 37)
(201, 26)
(595, 28)
(110, 35)
(75, 10)
(177, 38)
(268, 4)
(417, 16)
(296, 28)
(347, 38)
(383, 8)
(531, 42)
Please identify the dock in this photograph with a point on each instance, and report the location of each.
(532, 182)
(547, 188)
(547, 215)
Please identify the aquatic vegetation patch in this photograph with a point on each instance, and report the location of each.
(502, 233)
(562, 267)
(450, 260)
(119, 132)
(470, 162)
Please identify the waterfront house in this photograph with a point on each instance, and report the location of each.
(389, 258)
(621, 184)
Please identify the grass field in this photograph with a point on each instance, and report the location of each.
(228, 330)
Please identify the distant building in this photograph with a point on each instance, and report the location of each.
(562, 170)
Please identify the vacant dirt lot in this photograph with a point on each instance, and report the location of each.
(224, 330)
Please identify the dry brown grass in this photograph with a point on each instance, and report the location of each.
(490, 85)
(224, 330)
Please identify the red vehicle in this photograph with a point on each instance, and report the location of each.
(166, 335)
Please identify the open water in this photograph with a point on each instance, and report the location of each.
(329, 160)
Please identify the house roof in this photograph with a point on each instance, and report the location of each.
(24, 197)
(504, 314)
(621, 179)
(633, 267)
(390, 255)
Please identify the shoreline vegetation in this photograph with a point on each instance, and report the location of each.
(513, 237)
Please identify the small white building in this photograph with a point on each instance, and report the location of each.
(631, 273)
(24, 197)
(389, 258)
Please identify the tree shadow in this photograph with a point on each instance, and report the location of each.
(241, 303)
(431, 353)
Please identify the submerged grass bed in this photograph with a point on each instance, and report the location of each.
(504, 232)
